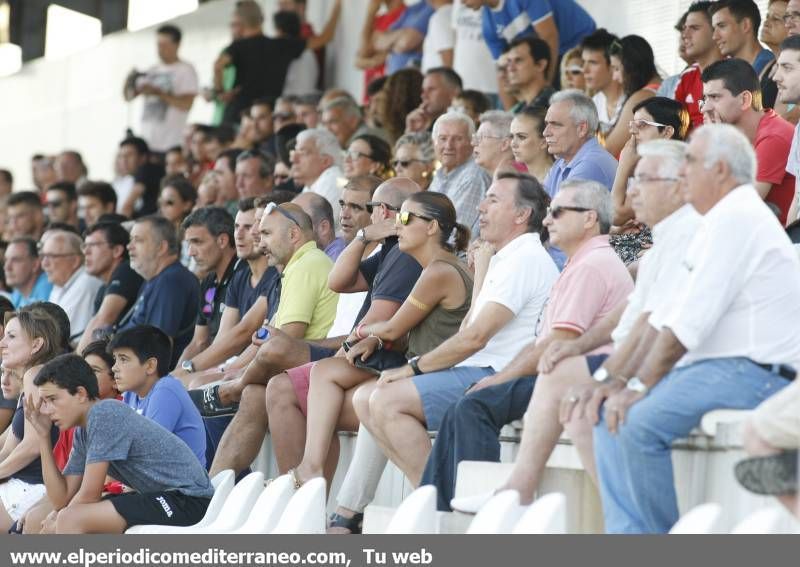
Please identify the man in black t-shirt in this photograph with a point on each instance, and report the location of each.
(105, 248)
(209, 233)
(261, 62)
(142, 197)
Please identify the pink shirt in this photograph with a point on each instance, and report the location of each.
(594, 281)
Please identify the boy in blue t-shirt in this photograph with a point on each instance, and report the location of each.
(141, 371)
(169, 484)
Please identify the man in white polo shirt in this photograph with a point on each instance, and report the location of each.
(729, 339)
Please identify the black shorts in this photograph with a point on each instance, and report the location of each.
(170, 508)
(318, 353)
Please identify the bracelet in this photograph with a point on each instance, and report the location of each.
(417, 303)
(380, 342)
(358, 330)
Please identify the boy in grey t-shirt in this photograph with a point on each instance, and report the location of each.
(171, 486)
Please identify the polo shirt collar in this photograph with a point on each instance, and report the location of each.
(302, 251)
(665, 225)
(595, 242)
(73, 278)
(455, 171)
(527, 239)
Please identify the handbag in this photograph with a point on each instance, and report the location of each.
(379, 360)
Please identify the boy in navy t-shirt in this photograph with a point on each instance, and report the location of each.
(141, 371)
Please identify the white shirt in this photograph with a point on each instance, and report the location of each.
(657, 280)
(519, 278)
(163, 124)
(472, 59)
(348, 308)
(440, 37)
(742, 293)
(793, 161)
(123, 187)
(302, 75)
(329, 184)
(607, 122)
(76, 298)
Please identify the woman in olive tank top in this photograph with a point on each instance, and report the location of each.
(431, 313)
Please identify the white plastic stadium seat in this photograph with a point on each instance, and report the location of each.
(703, 519)
(305, 513)
(498, 515)
(764, 521)
(416, 514)
(223, 484)
(269, 507)
(547, 515)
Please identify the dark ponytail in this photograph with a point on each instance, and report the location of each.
(462, 238)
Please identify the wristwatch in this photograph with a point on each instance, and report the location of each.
(362, 235)
(414, 363)
(637, 386)
(187, 365)
(602, 375)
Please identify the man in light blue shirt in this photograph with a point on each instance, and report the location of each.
(24, 273)
(570, 131)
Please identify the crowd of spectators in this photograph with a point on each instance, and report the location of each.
(522, 219)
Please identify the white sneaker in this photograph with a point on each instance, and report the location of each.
(471, 504)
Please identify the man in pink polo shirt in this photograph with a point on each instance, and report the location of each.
(732, 95)
(593, 283)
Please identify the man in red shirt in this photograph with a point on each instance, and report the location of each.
(702, 51)
(732, 95)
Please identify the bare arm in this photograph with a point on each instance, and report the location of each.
(200, 340)
(22, 452)
(547, 30)
(91, 487)
(623, 212)
(527, 361)
(107, 315)
(620, 133)
(219, 67)
(763, 188)
(329, 30)
(345, 276)
(232, 340)
(664, 353)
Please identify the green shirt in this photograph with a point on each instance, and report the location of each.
(305, 295)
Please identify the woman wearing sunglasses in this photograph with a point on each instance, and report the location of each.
(177, 199)
(433, 311)
(572, 70)
(367, 155)
(414, 158)
(653, 119)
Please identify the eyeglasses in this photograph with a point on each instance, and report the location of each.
(56, 256)
(354, 155)
(640, 123)
(405, 162)
(379, 204)
(271, 207)
(791, 18)
(637, 179)
(556, 212)
(355, 206)
(86, 245)
(404, 217)
(477, 139)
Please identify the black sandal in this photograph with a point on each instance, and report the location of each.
(353, 524)
(773, 475)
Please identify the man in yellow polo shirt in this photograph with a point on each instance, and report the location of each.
(305, 313)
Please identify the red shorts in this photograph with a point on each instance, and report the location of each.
(301, 378)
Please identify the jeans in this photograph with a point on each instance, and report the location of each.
(635, 466)
(469, 432)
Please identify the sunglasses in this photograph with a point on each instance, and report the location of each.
(556, 212)
(404, 217)
(374, 204)
(404, 162)
(271, 207)
(574, 71)
(210, 297)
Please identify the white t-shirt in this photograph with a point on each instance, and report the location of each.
(519, 278)
(607, 122)
(163, 124)
(440, 37)
(123, 187)
(76, 298)
(472, 59)
(329, 184)
(348, 308)
(302, 75)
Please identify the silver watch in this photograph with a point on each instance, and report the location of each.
(362, 235)
(187, 365)
(637, 386)
(601, 374)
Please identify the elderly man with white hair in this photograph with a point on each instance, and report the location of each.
(728, 339)
(492, 142)
(565, 366)
(316, 165)
(460, 178)
(73, 288)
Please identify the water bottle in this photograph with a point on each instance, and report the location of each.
(262, 334)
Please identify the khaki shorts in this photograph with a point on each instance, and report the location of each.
(777, 419)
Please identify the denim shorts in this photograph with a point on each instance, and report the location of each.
(439, 390)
